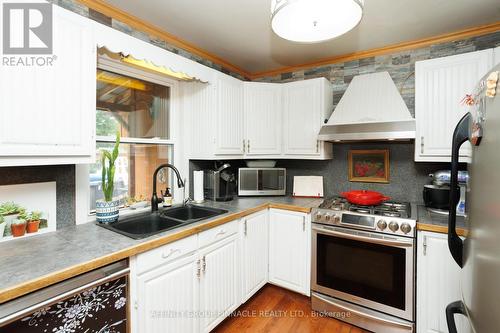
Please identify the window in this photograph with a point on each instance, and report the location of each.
(137, 104)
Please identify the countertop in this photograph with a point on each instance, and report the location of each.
(32, 263)
(435, 222)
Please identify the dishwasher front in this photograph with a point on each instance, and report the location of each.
(92, 302)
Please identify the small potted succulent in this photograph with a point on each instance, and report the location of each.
(9, 212)
(18, 225)
(33, 222)
(107, 210)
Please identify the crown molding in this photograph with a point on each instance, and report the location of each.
(135, 22)
(408, 45)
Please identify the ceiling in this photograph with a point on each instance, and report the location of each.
(239, 32)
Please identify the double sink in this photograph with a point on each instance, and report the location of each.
(148, 224)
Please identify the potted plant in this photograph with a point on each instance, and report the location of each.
(33, 222)
(18, 225)
(9, 211)
(107, 209)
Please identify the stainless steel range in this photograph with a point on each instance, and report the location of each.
(363, 264)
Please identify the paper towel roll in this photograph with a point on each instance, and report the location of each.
(198, 186)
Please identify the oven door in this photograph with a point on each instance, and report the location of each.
(365, 268)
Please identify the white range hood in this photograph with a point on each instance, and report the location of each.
(371, 109)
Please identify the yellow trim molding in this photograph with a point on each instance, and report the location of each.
(136, 23)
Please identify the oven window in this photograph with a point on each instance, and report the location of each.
(370, 271)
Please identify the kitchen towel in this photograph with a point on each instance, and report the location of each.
(198, 186)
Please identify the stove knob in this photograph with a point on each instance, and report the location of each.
(381, 224)
(319, 217)
(327, 217)
(406, 228)
(336, 219)
(394, 226)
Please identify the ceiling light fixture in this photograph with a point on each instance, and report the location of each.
(312, 21)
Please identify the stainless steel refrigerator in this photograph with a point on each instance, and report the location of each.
(479, 254)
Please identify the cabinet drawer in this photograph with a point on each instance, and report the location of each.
(166, 253)
(215, 234)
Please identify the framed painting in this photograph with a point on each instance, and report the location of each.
(369, 166)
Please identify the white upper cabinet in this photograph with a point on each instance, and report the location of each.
(232, 119)
(290, 250)
(307, 104)
(229, 120)
(48, 112)
(438, 284)
(440, 85)
(254, 253)
(263, 116)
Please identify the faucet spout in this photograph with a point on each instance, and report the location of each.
(154, 198)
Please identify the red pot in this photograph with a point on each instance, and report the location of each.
(365, 198)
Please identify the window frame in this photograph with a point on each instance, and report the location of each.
(82, 195)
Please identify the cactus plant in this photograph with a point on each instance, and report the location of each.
(108, 172)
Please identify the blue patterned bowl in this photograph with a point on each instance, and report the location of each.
(107, 212)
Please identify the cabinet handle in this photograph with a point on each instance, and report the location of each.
(243, 146)
(204, 264)
(424, 245)
(220, 233)
(172, 251)
(136, 305)
(421, 144)
(303, 225)
(198, 269)
(317, 146)
(245, 228)
(248, 146)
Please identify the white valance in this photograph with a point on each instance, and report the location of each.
(119, 42)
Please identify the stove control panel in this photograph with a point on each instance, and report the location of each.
(387, 225)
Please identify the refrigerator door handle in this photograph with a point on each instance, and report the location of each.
(460, 135)
(451, 310)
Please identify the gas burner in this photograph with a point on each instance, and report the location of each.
(388, 213)
(361, 209)
(396, 205)
(335, 203)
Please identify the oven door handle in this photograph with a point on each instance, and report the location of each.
(387, 242)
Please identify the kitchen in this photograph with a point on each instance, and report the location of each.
(155, 179)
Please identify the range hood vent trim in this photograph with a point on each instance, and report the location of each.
(370, 109)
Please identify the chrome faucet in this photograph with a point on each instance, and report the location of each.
(154, 199)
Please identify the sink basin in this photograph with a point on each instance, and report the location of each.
(190, 213)
(145, 225)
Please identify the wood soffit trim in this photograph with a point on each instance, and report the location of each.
(124, 17)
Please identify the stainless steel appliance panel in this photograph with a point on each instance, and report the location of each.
(366, 268)
(261, 181)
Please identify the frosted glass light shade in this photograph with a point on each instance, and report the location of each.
(311, 21)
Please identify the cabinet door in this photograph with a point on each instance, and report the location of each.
(302, 117)
(438, 284)
(289, 250)
(263, 108)
(255, 253)
(440, 85)
(49, 110)
(229, 136)
(219, 290)
(167, 298)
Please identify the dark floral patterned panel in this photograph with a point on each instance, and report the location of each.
(102, 309)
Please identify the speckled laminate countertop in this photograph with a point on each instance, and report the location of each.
(431, 221)
(33, 263)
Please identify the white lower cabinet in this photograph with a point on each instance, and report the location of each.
(290, 250)
(168, 296)
(254, 247)
(219, 288)
(193, 284)
(438, 284)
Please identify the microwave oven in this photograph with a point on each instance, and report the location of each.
(261, 181)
